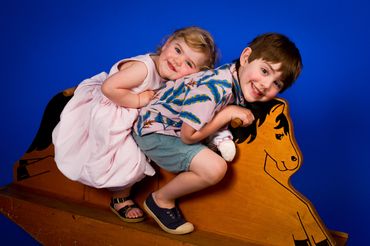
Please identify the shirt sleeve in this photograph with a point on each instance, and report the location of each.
(198, 108)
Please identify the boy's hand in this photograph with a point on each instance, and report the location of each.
(241, 116)
(145, 97)
(235, 123)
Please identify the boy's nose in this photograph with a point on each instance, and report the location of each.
(266, 84)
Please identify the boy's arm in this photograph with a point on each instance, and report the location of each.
(190, 136)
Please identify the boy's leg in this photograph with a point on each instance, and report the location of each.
(206, 168)
(198, 168)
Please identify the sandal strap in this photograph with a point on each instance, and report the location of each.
(123, 211)
(116, 200)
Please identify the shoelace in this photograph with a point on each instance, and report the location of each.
(174, 213)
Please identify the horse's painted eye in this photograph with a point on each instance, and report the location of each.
(279, 136)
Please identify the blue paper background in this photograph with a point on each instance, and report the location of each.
(48, 46)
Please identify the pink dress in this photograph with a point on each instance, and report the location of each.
(93, 142)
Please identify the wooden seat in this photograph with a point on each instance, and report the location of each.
(253, 205)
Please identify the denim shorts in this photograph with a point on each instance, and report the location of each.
(168, 152)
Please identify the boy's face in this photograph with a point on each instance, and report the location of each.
(177, 59)
(259, 79)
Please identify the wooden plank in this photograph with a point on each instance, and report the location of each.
(52, 221)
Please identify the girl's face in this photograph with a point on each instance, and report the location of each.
(259, 79)
(177, 59)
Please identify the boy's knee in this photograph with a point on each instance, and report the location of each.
(217, 172)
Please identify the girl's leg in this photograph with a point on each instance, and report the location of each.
(206, 169)
(132, 213)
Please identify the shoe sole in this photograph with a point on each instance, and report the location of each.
(178, 231)
(128, 220)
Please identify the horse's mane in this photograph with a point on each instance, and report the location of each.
(49, 120)
(260, 111)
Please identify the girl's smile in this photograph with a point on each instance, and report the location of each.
(172, 67)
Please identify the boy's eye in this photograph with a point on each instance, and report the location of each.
(178, 51)
(279, 84)
(264, 71)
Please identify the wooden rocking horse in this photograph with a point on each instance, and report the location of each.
(254, 204)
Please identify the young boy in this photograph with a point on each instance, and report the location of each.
(170, 128)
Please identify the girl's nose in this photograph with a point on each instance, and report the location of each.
(179, 60)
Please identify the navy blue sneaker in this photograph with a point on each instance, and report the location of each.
(170, 220)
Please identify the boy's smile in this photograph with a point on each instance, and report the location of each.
(255, 90)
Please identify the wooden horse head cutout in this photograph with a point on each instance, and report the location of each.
(275, 142)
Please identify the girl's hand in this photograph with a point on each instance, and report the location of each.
(145, 97)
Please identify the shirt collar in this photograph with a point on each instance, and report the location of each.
(237, 92)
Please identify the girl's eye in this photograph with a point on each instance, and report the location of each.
(189, 64)
(178, 51)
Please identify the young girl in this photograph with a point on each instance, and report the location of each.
(93, 142)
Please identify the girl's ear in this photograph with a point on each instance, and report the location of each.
(245, 55)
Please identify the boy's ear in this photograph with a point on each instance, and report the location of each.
(245, 55)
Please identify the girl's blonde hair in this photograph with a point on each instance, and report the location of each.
(199, 40)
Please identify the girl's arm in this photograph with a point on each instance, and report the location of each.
(118, 86)
(190, 136)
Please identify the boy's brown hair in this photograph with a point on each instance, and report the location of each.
(200, 40)
(277, 48)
